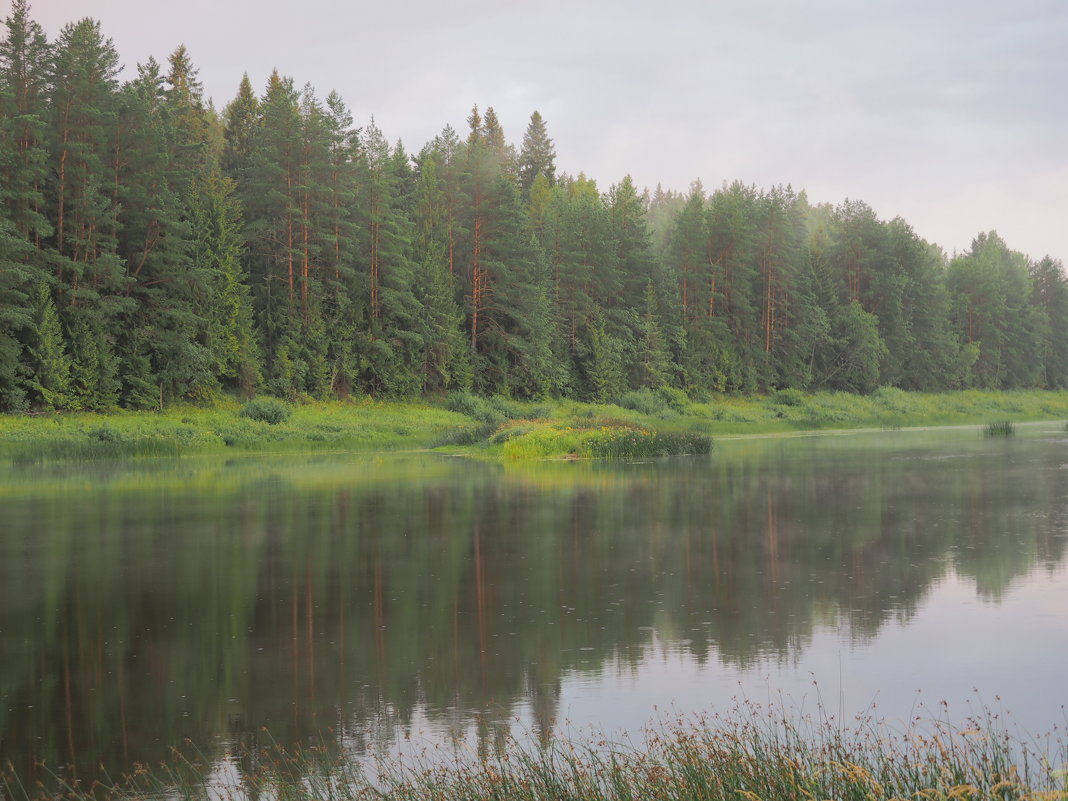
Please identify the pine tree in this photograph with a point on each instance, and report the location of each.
(270, 198)
(24, 60)
(393, 353)
(16, 321)
(84, 106)
(733, 258)
(445, 362)
(339, 231)
(162, 319)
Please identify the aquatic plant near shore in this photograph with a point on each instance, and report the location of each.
(1000, 428)
(752, 752)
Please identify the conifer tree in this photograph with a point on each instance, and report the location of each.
(49, 360)
(224, 297)
(537, 156)
(445, 362)
(1051, 295)
(16, 321)
(342, 313)
(269, 197)
(394, 347)
(652, 368)
(24, 61)
(84, 107)
(239, 120)
(162, 319)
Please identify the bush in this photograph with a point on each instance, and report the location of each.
(508, 409)
(788, 397)
(104, 433)
(464, 435)
(675, 399)
(642, 401)
(266, 410)
(473, 406)
(664, 402)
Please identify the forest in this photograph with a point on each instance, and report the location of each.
(155, 249)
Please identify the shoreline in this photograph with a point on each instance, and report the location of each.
(505, 430)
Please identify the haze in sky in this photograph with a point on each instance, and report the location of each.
(950, 114)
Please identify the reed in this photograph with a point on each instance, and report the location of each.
(1000, 428)
(751, 753)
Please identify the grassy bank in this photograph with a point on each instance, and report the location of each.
(665, 422)
(226, 427)
(642, 423)
(752, 754)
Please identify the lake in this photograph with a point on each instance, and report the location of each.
(384, 604)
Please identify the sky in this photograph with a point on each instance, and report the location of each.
(952, 114)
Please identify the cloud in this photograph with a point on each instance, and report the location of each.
(913, 106)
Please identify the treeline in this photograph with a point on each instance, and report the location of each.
(153, 249)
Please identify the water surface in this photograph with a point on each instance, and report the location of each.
(370, 603)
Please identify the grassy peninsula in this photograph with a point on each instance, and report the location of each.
(641, 423)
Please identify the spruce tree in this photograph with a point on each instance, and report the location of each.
(50, 361)
(537, 156)
(224, 297)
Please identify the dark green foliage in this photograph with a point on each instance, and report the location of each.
(50, 362)
(152, 250)
(537, 156)
(266, 410)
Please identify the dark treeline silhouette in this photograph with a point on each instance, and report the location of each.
(154, 249)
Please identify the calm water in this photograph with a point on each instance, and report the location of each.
(377, 604)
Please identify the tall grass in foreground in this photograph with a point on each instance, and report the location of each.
(752, 755)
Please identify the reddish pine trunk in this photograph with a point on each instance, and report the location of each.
(289, 226)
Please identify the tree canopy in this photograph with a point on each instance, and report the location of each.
(153, 249)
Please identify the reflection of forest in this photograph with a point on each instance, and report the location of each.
(336, 599)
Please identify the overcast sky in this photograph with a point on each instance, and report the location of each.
(953, 115)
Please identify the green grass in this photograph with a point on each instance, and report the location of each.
(179, 431)
(1000, 428)
(596, 439)
(753, 753)
(643, 423)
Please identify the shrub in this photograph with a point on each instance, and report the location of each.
(266, 410)
(464, 435)
(674, 398)
(473, 406)
(643, 401)
(104, 433)
(664, 402)
(508, 409)
(788, 397)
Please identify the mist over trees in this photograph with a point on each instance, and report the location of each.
(153, 248)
